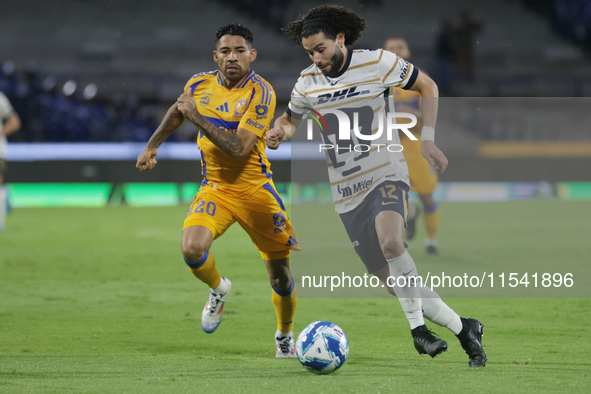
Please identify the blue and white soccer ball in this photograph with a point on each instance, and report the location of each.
(322, 347)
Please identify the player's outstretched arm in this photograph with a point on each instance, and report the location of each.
(283, 129)
(172, 120)
(429, 107)
(238, 145)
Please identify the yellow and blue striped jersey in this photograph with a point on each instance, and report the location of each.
(249, 106)
(408, 101)
(406, 97)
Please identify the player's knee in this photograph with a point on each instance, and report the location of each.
(193, 249)
(392, 247)
(281, 281)
(427, 200)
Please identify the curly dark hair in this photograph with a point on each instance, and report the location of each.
(339, 19)
(234, 29)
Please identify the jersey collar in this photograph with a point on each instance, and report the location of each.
(248, 75)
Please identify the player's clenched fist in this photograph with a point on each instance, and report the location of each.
(274, 137)
(147, 159)
(186, 104)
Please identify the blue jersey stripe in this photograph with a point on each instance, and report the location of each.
(263, 167)
(263, 88)
(266, 92)
(256, 82)
(270, 95)
(223, 123)
(204, 171)
(203, 74)
(243, 84)
(252, 95)
(251, 78)
(267, 89)
(194, 86)
(271, 190)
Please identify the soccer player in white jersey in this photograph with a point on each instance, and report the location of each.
(374, 215)
(9, 123)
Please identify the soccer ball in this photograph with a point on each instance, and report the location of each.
(322, 347)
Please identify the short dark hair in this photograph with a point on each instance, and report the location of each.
(234, 29)
(334, 19)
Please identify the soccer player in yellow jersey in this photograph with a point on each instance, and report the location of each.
(423, 177)
(232, 107)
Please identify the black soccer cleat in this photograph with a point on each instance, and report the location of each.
(426, 342)
(432, 250)
(411, 222)
(471, 339)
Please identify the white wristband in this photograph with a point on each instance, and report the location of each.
(427, 133)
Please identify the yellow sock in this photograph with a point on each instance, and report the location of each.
(285, 303)
(206, 271)
(432, 221)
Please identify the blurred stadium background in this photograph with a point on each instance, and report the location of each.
(92, 79)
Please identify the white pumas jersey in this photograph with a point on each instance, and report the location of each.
(5, 112)
(359, 91)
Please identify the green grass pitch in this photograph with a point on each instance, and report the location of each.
(100, 301)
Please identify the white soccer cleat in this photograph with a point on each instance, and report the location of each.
(212, 313)
(285, 347)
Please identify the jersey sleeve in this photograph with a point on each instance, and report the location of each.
(261, 108)
(397, 72)
(5, 107)
(298, 102)
(194, 81)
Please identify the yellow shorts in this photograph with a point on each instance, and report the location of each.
(423, 177)
(261, 215)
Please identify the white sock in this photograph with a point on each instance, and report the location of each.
(222, 287)
(412, 211)
(438, 311)
(431, 242)
(3, 196)
(279, 334)
(409, 295)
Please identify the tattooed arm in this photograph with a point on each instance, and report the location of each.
(172, 120)
(238, 145)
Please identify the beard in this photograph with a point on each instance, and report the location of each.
(335, 62)
(234, 75)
